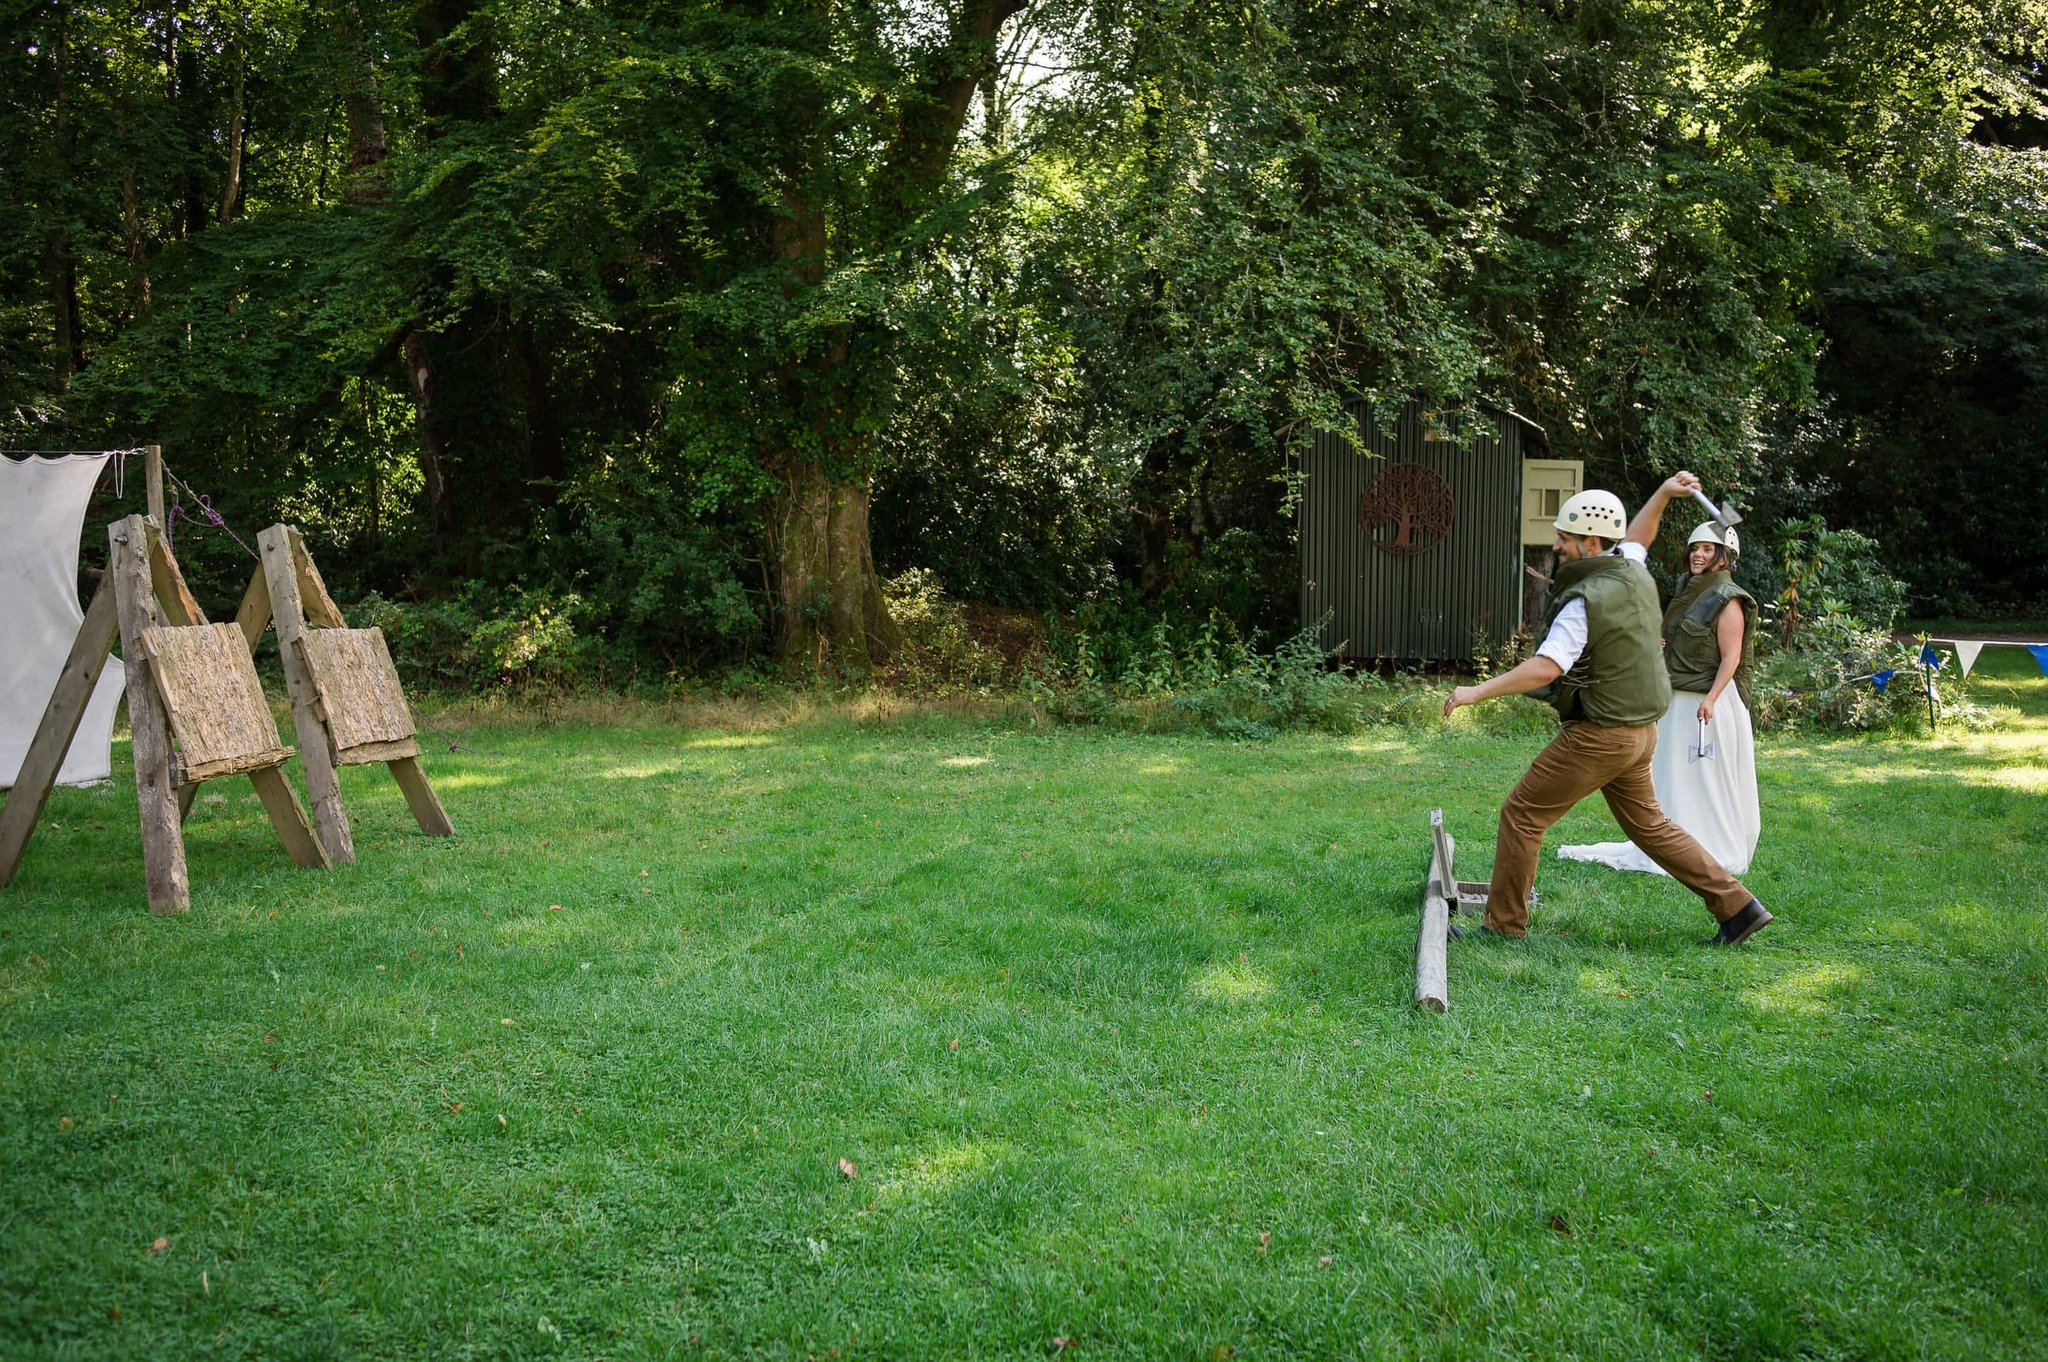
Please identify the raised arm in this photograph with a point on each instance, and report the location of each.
(1643, 529)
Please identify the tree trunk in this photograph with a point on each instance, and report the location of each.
(832, 611)
(365, 109)
(830, 605)
(434, 441)
(545, 465)
(67, 342)
(231, 189)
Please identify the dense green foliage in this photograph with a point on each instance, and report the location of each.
(638, 303)
(1112, 1031)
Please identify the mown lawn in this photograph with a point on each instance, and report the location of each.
(1112, 1033)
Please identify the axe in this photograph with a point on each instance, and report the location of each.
(1726, 516)
(1701, 750)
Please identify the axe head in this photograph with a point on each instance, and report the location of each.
(1727, 517)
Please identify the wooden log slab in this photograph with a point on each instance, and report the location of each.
(217, 712)
(359, 694)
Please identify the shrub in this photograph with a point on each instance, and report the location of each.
(940, 652)
(1826, 683)
(1115, 665)
(1825, 572)
(661, 588)
(522, 642)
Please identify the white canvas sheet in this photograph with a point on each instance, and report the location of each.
(1713, 798)
(42, 510)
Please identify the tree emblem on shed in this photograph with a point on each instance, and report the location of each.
(1415, 501)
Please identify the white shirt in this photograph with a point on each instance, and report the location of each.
(1567, 636)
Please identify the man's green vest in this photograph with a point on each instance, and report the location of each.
(1619, 680)
(1692, 649)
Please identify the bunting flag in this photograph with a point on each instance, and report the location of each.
(1966, 654)
(2040, 652)
(1880, 679)
(1928, 657)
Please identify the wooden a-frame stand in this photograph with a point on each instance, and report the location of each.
(347, 706)
(195, 708)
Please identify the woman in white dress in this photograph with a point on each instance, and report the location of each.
(1704, 768)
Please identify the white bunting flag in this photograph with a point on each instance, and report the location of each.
(1966, 653)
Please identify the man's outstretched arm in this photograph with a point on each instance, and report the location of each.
(1534, 674)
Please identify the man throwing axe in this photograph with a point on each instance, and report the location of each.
(1601, 667)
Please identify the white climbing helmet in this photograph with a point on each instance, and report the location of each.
(1593, 513)
(1709, 533)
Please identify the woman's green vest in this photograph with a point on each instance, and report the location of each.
(1692, 650)
(1619, 680)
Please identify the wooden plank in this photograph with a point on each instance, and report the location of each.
(1432, 937)
(320, 610)
(426, 807)
(360, 698)
(316, 754)
(163, 844)
(61, 717)
(373, 752)
(281, 802)
(217, 711)
(252, 617)
(173, 597)
(153, 467)
(1440, 863)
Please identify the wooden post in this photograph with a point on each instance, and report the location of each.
(281, 802)
(153, 463)
(61, 717)
(316, 753)
(1432, 966)
(163, 844)
(420, 797)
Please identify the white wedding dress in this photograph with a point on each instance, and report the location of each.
(1711, 796)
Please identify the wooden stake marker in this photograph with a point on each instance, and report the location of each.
(1432, 937)
(348, 708)
(195, 708)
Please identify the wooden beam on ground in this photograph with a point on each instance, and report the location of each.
(282, 579)
(61, 717)
(1432, 937)
(163, 843)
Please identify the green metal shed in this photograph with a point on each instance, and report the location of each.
(1411, 534)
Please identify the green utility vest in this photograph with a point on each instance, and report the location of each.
(1619, 680)
(1692, 650)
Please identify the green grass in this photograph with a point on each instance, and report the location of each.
(1114, 1030)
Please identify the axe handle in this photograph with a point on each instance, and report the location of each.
(1712, 509)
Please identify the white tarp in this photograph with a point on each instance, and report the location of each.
(42, 510)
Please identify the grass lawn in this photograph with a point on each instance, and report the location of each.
(1111, 1033)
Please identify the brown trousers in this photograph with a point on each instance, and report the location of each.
(1616, 762)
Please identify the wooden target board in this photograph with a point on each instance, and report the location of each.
(359, 695)
(218, 715)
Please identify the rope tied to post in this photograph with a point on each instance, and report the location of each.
(208, 518)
